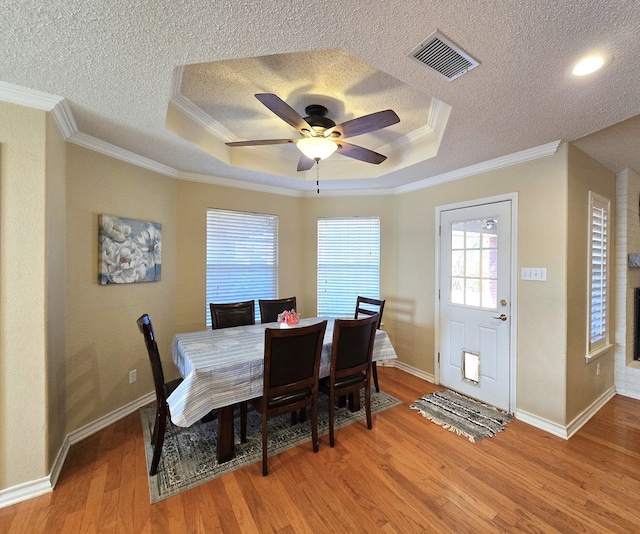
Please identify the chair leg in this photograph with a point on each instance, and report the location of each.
(314, 424)
(243, 422)
(264, 444)
(158, 430)
(367, 404)
(374, 371)
(331, 418)
(154, 434)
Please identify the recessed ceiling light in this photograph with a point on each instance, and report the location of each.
(588, 65)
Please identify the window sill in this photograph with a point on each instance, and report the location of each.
(597, 354)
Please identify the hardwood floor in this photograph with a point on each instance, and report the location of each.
(405, 475)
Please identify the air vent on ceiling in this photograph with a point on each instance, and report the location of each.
(443, 56)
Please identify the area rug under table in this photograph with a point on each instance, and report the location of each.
(188, 455)
(462, 415)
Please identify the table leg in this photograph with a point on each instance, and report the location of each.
(225, 434)
(354, 401)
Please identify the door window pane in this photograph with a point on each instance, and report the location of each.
(474, 263)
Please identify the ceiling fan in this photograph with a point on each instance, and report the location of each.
(321, 136)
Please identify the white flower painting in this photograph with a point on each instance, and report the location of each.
(130, 250)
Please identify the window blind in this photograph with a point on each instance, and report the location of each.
(348, 263)
(598, 276)
(242, 257)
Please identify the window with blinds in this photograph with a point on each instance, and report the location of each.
(598, 274)
(242, 257)
(348, 263)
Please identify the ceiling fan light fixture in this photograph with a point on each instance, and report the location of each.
(316, 148)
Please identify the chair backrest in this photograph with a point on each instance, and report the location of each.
(145, 326)
(292, 359)
(368, 306)
(232, 314)
(352, 346)
(270, 308)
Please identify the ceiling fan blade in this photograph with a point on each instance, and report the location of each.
(365, 124)
(305, 163)
(284, 111)
(360, 153)
(261, 142)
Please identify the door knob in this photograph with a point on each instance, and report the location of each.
(502, 317)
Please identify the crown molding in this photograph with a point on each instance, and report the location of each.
(348, 192)
(493, 164)
(24, 96)
(64, 119)
(238, 184)
(198, 116)
(61, 111)
(113, 151)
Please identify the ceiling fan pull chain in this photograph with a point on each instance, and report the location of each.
(318, 176)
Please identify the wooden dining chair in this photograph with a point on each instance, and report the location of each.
(232, 314)
(270, 308)
(369, 306)
(351, 353)
(163, 390)
(291, 368)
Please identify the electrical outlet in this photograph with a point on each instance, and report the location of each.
(598, 368)
(133, 376)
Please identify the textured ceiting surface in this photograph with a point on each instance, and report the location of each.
(114, 62)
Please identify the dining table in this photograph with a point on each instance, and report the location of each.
(224, 367)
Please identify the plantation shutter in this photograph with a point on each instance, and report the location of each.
(242, 257)
(598, 301)
(348, 264)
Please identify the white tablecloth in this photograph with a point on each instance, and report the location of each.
(225, 366)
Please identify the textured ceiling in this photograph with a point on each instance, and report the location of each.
(115, 63)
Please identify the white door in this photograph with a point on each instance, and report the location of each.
(475, 302)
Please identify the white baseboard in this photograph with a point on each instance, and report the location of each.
(408, 369)
(35, 488)
(542, 423)
(626, 393)
(565, 432)
(23, 492)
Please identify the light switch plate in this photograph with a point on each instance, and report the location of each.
(536, 274)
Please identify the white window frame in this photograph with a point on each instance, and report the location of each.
(348, 264)
(599, 276)
(241, 257)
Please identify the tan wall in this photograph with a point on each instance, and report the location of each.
(584, 385)
(56, 234)
(542, 192)
(382, 206)
(102, 340)
(23, 276)
(193, 200)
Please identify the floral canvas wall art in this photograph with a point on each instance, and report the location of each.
(130, 250)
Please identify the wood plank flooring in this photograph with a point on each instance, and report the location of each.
(405, 475)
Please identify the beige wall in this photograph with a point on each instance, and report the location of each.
(192, 202)
(584, 385)
(382, 206)
(542, 214)
(56, 246)
(23, 278)
(102, 340)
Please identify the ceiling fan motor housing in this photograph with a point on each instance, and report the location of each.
(316, 117)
